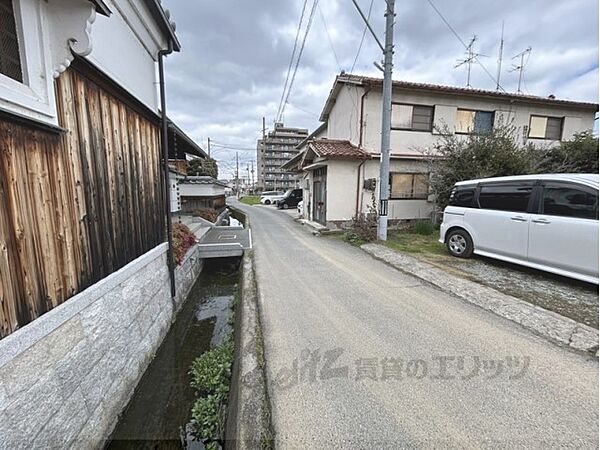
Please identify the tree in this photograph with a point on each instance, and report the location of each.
(578, 155)
(499, 153)
(203, 167)
(493, 154)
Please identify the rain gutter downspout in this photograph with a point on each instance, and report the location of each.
(360, 141)
(165, 155)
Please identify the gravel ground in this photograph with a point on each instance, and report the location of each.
(571, 298)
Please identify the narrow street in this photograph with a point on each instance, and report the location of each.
(360, 355)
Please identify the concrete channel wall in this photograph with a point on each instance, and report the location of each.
(66, 377)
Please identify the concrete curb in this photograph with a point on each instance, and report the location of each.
(548, 324)
(253, 427)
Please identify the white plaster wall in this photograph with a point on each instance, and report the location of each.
(445, 113)
(341, 189)
(344, 118)
(125, 47)
(397, 209)
(200, 190)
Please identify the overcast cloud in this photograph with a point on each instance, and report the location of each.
(232, 67)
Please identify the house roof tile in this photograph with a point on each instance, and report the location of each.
(337, 149)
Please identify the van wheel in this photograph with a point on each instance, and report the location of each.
(267, 202)
(459, 244)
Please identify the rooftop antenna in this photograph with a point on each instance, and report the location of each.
(471, 57)
(521, 67)
(500, 58)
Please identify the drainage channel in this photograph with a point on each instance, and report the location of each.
(159, 414)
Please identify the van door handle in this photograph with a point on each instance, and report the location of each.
(543, 221)
(518, 218)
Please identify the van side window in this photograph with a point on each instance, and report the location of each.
(569, 202)
(505, 197)
(462, 196)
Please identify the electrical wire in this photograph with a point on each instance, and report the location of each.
(309, 24)
(463, 42)
(329, 39)
(362, 39)
(287, 77)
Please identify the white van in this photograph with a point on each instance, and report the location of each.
(548, 222)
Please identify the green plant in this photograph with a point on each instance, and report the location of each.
(353, 238)
(211, 376)
(203, 167)
(423, 227)
(183, 239)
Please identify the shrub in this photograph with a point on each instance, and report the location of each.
(209, 214)
(364, 226)
(183, 239)
(423, 227)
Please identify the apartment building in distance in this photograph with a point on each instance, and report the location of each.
(278, 147)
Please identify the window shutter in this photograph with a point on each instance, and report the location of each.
(402, 116)
(554, 128)
(10, 58)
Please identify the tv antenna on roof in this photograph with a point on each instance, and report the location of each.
(521, 67)
(471, 57)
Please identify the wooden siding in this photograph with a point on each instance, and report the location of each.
(75, 207)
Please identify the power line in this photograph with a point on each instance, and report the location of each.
(463, 43)
(329, 39)
(308, 25)
(362, 39)
(287, 77)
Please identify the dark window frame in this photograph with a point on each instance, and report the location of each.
(531, 205)
(467, 133)
(545, 138)
(539, 204)
(468, 187)
(424, 197)
(429, 130)
(11, 33)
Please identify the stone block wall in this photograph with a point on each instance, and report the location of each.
(66, 377)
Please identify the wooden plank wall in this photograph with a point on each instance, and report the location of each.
(78, 206)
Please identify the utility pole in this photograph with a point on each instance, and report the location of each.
(208, 148)
(237, 175)
(252, 171)
(386, 114)
(248, 173)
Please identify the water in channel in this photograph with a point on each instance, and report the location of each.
(158, 415)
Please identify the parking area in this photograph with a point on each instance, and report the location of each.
(571, 298)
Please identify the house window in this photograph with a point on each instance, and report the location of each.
(412, 117)
(477, 122)
(408, 186)
(10, 58)
(541, 127)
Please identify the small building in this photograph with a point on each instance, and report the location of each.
(339, 162)
(201, 192)
(278, 146)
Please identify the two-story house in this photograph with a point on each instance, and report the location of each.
(340, 160)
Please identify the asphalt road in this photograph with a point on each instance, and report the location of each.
(360, 355)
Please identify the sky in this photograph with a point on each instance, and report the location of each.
(236, 53)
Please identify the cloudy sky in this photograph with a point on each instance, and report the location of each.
(235, 55)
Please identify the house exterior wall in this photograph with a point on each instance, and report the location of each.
(130, 29)
(445, 106)
(344, 118)
(78, 205)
